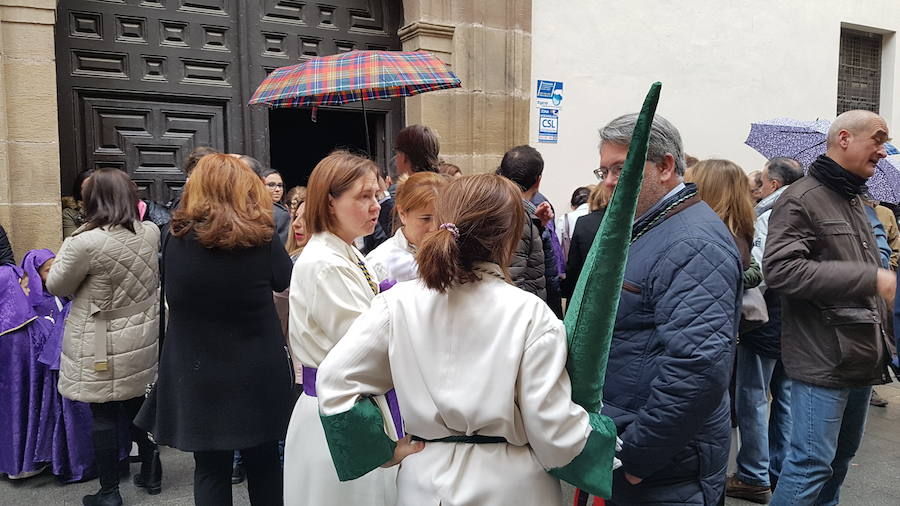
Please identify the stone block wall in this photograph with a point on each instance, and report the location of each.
(29, 140)
(488, 46)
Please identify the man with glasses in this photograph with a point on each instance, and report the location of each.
(609, 176)
(673, 342)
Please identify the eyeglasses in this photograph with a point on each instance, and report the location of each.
(275, 185)
(602, 172)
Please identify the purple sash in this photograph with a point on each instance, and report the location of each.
(309, 388)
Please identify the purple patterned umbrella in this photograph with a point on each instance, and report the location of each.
(885, 184)
(804, 141)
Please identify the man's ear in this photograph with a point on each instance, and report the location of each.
(844, 138)
(667, 168)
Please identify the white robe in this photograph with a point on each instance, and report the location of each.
(328, 292)
(485, 358)
(394, 259)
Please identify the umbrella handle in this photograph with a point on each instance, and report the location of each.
(366, 122)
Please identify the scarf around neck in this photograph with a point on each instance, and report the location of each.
(838, 179)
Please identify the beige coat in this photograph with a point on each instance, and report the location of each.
(114, 277)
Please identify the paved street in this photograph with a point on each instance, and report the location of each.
(872, 480)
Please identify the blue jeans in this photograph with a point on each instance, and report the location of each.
(762, 429)
(779, 421)
(828, 425)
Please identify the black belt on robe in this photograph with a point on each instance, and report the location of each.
(473, 439)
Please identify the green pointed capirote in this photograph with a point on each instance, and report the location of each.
(592, 309)
(592, 314)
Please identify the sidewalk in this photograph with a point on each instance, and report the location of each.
(872, 480)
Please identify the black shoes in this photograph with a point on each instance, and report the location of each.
(150, 477)
(103, 498)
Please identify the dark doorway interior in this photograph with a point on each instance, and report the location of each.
(297, 144)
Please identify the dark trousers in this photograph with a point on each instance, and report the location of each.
(109, 419)
(212, 476)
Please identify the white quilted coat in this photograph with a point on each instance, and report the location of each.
(108, 269)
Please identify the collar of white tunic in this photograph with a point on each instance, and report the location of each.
(337, 244)
(403, 242)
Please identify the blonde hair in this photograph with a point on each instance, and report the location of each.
(419, 190)
(599, 197)
(293, 246)
(723, 185)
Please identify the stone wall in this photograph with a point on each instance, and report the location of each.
(29, 140)
(488, 46)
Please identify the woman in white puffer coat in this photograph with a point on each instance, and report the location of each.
(110, 351)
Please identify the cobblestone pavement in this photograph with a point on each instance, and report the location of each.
(872, 480)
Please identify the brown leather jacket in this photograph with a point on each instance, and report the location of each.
(822, 258)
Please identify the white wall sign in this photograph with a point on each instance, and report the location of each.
(548, 125)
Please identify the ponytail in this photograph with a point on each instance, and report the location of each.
(439, 260)
(482, 218)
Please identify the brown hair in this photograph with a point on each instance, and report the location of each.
(487, 210)
(449, 169)
(225, 204)
(297, 192)
(421, 146)
(690, 161)
(331, 177)
(110, 198)
(599, 197)
(723, 185)
(191, 161)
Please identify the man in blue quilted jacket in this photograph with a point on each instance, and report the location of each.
(674, 338)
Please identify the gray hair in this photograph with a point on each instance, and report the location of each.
(664, 138)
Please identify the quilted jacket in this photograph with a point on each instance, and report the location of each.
(527, 264)
(108, 270)
(671, 355)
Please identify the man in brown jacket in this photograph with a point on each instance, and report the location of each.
(821, 256)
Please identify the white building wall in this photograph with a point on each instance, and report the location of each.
(723, 65)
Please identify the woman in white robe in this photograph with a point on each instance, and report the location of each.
(331, 285)
(479, 368)
(395, 259)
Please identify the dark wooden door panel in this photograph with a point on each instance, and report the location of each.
(141, 82)
(148, 139)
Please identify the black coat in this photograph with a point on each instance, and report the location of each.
(582, 238)
(6, 252)
(225, 377)
(282, 219)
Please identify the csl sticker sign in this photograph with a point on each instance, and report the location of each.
(548, 125)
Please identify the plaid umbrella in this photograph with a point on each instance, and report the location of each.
(352, 76)
(804, 141)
